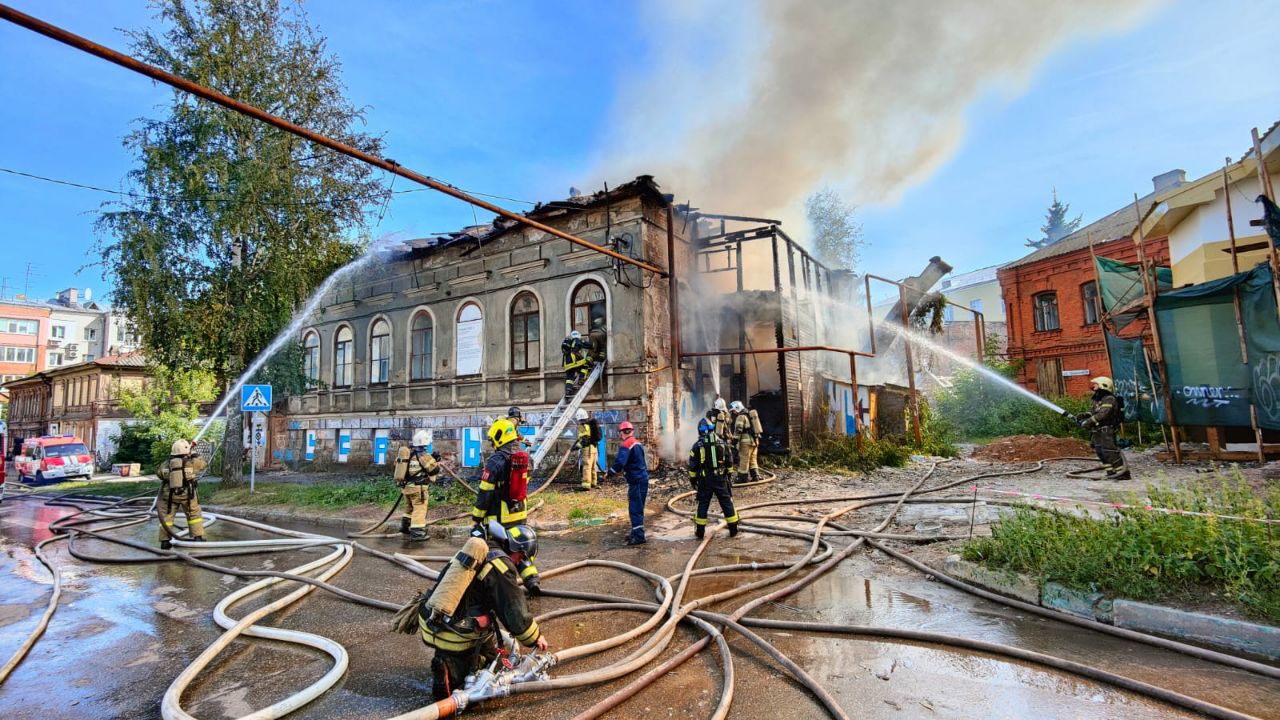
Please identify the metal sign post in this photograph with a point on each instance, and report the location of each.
(254, 399)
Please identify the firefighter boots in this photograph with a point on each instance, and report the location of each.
(755, 474)
(417, 534)
(404, 526)
(699, 531)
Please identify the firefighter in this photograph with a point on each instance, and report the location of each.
(588, 444)
(719, 415)
(178, 491)
(1102, 422)
(757, 434)
(598, 338)
(415, 469)
(744, 440)
(517, 419)
(709, 474)
(630, 462)
(504, 488)
(465, 639)
(575, 352)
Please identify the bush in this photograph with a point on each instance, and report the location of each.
(1147, 555)
(979, 407)
(841, 453)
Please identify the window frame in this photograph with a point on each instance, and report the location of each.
(1095, 306)
(519, 323)
(379, 351)
(343, 359)
(1039, 318)
(422, 355)
(574, 305)
(311, 359)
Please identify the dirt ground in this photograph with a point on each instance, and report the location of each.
(1029, 448)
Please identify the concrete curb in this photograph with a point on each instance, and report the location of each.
(1202, 628)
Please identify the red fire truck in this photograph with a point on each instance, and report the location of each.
(50, 457)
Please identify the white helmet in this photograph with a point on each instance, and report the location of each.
(581, 415)
(180, 448)
(575, 335)
(719, 405)
(421, 438)
(737, 406)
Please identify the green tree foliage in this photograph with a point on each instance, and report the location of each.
(164, 410)
(232, 224)
(1056, 225)
(837, 237)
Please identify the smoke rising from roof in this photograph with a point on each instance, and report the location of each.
(752, 106)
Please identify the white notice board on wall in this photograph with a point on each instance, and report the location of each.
(470, 343)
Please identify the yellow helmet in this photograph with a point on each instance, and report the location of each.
(502, 432)
(1103, 382)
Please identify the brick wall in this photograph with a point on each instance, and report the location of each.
(1076, 345)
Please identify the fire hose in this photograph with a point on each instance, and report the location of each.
(669, 605)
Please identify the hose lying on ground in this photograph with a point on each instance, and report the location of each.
(669, 610)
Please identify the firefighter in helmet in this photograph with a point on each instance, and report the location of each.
(178, 476)
(517, 419)
(709, 470)
(1103, 420)
(416, 468)
(461, 625)
(588, 447)
(504, 487)
(575, 352)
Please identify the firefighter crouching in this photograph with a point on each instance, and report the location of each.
(504, 488)
(178, 492)
(746, 432)
(588, 446)
(1103, 422)
(415, 469)
(709, 470)
(477, 591)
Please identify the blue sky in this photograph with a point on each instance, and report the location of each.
(520, 99)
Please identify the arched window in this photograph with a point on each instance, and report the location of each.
(380, 352)
(311, 359)
(1045, 311)
(342, 357)
(525, 333)
(469, 347)
(421, 341)
(588, 304)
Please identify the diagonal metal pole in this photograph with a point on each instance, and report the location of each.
(56, 33)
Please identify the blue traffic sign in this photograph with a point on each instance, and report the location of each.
(255, 398)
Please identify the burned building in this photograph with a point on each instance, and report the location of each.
(448, 332)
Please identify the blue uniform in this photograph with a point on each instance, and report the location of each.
(630, 462)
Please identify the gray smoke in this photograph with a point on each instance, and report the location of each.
(753, 105)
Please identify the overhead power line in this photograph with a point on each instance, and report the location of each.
(229, 199)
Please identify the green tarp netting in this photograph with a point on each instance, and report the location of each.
(1143, 399)
(1209, 381)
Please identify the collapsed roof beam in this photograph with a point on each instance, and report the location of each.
(56, 33)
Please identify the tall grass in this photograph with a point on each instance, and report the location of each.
(1146, 555)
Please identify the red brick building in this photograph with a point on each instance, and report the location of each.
(1053, 308)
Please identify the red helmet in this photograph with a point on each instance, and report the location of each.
(625, 425)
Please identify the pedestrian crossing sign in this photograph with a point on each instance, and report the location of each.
(255, 398)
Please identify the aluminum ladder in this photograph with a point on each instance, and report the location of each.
(554, 423)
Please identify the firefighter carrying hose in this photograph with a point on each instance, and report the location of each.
(588, 446)
(477, 591)
(415, 469)
(709, 470)
(1103, 422)
(747, 431)
(575, 352)
(504, 488)
(178, 491)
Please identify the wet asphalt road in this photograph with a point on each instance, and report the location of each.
(124, 631)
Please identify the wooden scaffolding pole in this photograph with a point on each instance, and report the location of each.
(1151, 285)
(1235, 297)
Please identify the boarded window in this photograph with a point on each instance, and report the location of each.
(469, 346)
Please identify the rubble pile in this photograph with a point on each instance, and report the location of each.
(1030, 448)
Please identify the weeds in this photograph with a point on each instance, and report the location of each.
(840, 453)
(1146, 555)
